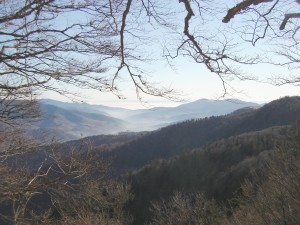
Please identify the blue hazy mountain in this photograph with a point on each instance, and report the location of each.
(64, 123)
(154, 118)
(68, 121)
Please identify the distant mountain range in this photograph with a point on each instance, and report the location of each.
(64, 123)
(130, 151)
(69, 121)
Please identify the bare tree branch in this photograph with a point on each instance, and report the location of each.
(240, 7)
(287, 17)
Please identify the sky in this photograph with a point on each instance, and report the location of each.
(193, 84)
(193, 81)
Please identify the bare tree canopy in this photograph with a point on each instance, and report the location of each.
(273, 24)
(52, 45)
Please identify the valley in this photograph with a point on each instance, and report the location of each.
(69, 121)
(213, 156)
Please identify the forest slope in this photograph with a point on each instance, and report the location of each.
(217, 170)
(182, 137)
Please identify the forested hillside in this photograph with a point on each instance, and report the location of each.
(182, 137)
(269, 195)
(131, 151)
(216, 170)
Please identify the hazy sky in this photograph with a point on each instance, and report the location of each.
(193, 81)
(193, 84)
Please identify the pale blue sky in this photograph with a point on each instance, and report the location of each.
(193, 80)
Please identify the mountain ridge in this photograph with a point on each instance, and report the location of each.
(81, 119)
(181, 137)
